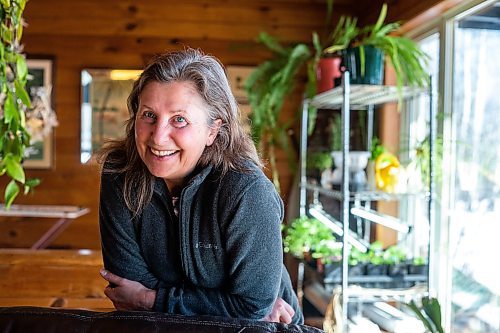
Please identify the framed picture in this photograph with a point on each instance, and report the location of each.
(237, 76)
(40, 154)
(104, 111)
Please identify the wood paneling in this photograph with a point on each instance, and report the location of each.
(125, 34)
(82, 34)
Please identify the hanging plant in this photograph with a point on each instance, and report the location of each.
(14, 100)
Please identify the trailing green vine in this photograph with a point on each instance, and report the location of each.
(14, 100)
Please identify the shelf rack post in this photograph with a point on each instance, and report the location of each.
(303, 158)
(346, 86)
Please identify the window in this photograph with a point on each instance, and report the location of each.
(468, 219)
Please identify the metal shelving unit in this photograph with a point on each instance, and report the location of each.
(351, 98)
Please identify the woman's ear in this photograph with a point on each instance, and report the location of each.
(214, 130)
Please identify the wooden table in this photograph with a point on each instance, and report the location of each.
(64, 215)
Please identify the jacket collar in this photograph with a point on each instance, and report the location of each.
(198, 176)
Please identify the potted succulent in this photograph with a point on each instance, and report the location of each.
(364, 48)
(14, 100)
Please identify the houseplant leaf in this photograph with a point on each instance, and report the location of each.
(11, 192)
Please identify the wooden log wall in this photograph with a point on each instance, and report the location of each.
(124, 34)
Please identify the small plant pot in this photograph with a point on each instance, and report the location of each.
(379, 270)
(399, 269)
(328, 74)
(357, 270)
(418, 269)
(373, 66)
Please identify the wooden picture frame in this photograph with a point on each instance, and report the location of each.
(40, 155)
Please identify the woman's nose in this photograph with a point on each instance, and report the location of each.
(161, 133)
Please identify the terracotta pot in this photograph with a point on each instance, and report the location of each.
(327, 73)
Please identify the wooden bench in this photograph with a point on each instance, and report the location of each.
(54, 278)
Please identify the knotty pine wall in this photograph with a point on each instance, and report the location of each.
(80, 34)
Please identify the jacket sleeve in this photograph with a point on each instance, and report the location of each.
(250, 223)
(120, 249)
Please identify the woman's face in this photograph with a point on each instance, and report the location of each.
(171, 130)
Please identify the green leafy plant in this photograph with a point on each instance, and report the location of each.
(267, 88)
(376, 253)
(14, 100)
(405, 55)
(376, 149)
(319, 161)
(422, 159)
(308, 235)
(419, 261)
(357, 257)
(429, 313)
(394, 255)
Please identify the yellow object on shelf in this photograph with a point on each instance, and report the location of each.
(387, 171)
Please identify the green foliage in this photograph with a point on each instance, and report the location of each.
(405, 55)
(309, 235)
(422, 159)
(419, 261)
(357, 257)
(319, 161)
(376, 253)
(394, 255)
(14, 100)
(376, 149)
(336, 130)
(267, 88)
(429, 313)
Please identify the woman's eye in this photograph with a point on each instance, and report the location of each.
(179, 121)
(148, 115)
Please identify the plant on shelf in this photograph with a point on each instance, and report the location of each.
(319, 161)
(429, 313)
(376, 263)
(14, 100)
(396, 258)
(309, 237)
(418, 266)
(372, 42)
(267, 88)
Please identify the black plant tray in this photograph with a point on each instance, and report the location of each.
(380, 281)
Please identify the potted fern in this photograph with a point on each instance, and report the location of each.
(14, 100)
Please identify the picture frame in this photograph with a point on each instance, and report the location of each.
(40, 155)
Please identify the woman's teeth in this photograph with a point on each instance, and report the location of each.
(161, 153)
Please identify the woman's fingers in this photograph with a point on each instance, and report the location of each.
(281, 312)
(111, 278)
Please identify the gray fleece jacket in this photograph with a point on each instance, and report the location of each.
(222, 256)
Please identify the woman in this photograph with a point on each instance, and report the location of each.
(189, 223)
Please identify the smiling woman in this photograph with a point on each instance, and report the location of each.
(182, 225)
(172, 131)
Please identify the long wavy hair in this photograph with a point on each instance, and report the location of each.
(232, 149)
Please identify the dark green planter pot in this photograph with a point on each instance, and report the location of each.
(374, 65)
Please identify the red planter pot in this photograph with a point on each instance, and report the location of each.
(327, 73)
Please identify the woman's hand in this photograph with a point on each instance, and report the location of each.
(127, 294)
(282, 312)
